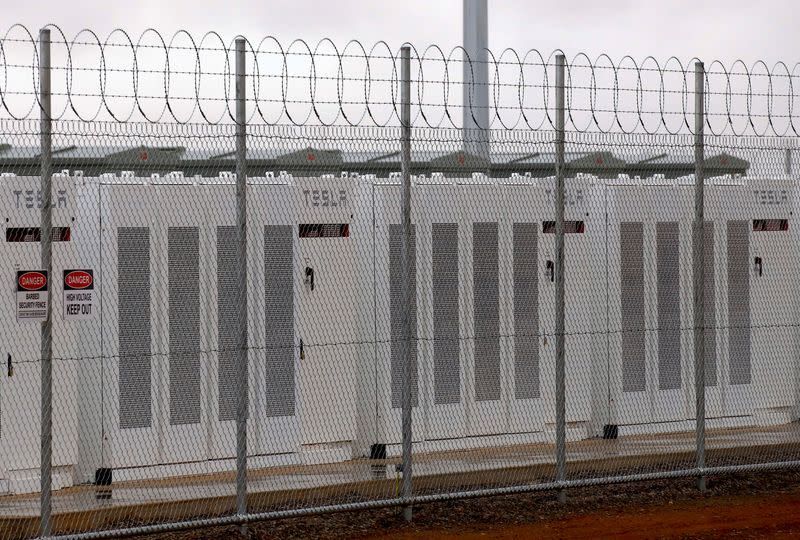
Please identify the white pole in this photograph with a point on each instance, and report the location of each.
(476, 79)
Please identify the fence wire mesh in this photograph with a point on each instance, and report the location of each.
(147, 296)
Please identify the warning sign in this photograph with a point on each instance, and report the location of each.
(32, 295)
(78, 294)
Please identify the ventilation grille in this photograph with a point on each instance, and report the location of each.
(279, 313)
(632, 307)
(739, 301)
(669, 311)
(710, 305)
(133, 270)
(227, 320)
(184, 325)
(486, 311)
(396, 314)
(526, 311)
(446, 345)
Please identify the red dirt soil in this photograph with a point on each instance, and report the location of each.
(761, 504)
(776, 516)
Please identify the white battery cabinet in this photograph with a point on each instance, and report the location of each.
(756, 372)
(483, 229)
(649, 300)
(385, 251)
(142, 404)
(149, 388)
(169, 265)
(484, 256)
(585, 299)
(750, 366)
(441, 315)
(528, 271)
(327, 314)
(169, 270)
(20, 377)
(273, 291)
(531, 406)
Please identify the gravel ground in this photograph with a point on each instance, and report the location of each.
(475, 514)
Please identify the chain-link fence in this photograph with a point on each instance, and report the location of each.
(240, 319)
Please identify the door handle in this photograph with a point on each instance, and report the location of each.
(310, 276)
(551, 268)
(758, 266)
(9, 366)
(302, 351)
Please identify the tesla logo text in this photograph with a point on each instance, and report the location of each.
(572, 197)
(33, 199)
(771, 196)
(325, 197)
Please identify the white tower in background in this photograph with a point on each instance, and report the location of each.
(476, 79)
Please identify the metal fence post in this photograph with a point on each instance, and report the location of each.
(699, 272)
(405, 120)
(241, 224)
(788, 161)
(46, 232)
(561, 426)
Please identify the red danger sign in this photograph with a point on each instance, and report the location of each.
(32, 295)
(31, 281)
(79, 294)
(78, 279)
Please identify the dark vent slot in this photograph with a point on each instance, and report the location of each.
(227, 321)
(770, 225)
(324, 230)
(570, 227)
(34, 234)
(396, 315)
(446, 303)
(279, 313)
(739, 303)
(634, 369)
(526, 311)
(669, 309)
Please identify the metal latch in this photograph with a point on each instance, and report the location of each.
(310, 277)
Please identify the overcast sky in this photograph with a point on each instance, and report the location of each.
(726, 29)
(723, 30)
